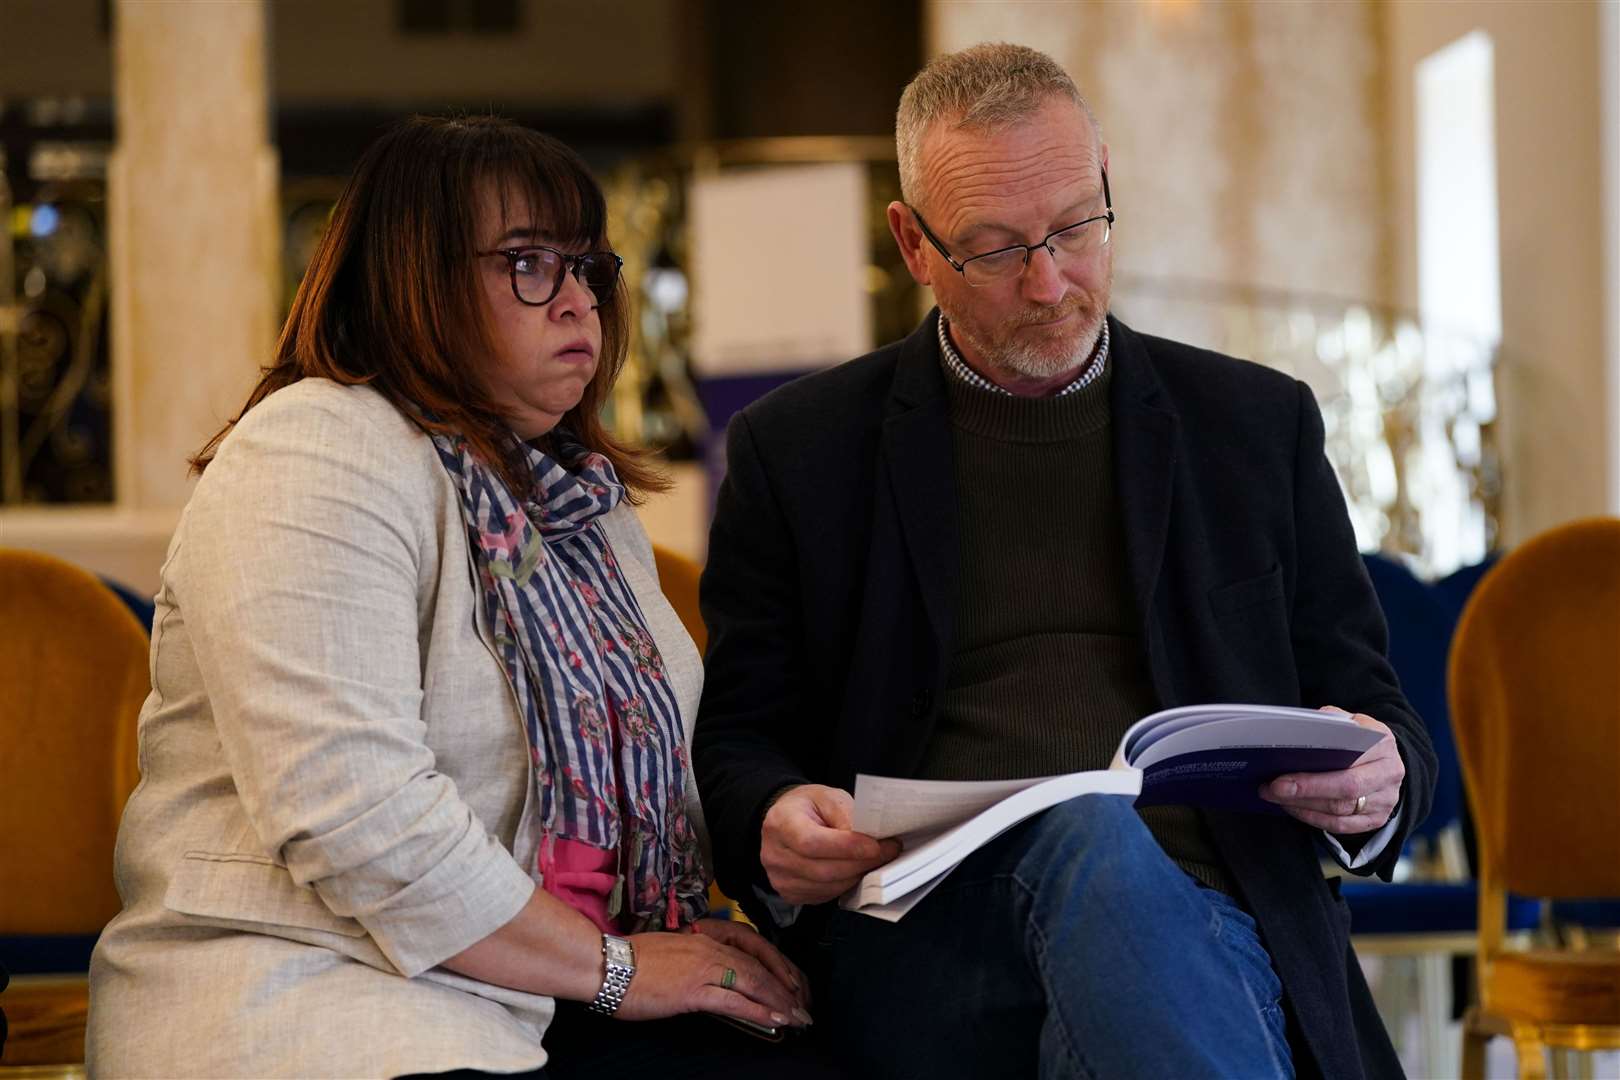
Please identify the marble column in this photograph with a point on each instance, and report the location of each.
(193, 239)
(193, 233)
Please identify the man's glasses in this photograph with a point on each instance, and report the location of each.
(537, 272)
(1081, 238)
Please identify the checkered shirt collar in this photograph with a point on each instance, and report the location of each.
(959, 368)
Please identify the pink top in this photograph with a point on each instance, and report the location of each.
(582, 876)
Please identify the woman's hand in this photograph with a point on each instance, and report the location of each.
(549, 948)
(680, 973)
(743, 937)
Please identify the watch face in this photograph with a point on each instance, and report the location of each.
(618, 951)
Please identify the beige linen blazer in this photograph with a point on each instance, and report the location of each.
(335, 789)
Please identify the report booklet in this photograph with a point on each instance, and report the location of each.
(1214, 756)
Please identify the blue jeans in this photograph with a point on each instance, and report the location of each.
(1071, 946)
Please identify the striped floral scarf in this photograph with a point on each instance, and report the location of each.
(606, 739)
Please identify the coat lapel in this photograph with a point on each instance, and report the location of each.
(1145, 444)
(916, 448)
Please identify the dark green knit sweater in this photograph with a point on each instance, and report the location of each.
(1048, 668)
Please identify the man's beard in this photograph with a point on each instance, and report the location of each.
(1026, 355)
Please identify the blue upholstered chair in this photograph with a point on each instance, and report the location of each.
(139, 606)
(1421, 622)
(1580, 922)
(1432, 915)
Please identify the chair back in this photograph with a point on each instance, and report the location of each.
(1420, 630)
(139, 606)
(73, 668)
(1456, 587)
(678, 577)
(1534, 684)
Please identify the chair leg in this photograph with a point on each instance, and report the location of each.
(1532, 1055)
(1434, 1007)
(1393, 982)
(1568, 1063)
(1473, 1049)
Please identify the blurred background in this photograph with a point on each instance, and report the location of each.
(1414, 206)
(1409, 205)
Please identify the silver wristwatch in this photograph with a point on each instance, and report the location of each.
(619, 962)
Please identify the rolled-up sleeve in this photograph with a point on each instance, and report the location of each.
(308, 544)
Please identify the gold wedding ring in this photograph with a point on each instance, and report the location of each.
(1361, 803)
(729, 979)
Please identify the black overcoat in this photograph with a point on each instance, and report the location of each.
(828, 598)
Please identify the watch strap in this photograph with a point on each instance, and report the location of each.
(619, 964)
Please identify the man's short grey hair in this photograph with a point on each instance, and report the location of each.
(985, 87)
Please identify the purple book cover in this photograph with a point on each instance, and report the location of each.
(1230, 778)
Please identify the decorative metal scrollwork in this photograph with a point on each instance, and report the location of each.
(1409, 414)
(55, 378)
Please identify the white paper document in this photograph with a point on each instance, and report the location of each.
(1213, 756)
(921, 813)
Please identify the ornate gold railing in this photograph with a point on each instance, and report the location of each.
(1410, 412)
(55, 384)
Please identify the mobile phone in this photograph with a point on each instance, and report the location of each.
(758, 1031)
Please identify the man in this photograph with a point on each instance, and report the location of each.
(982, 552)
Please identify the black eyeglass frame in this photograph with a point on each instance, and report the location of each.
(1028, 249)
(570, 265)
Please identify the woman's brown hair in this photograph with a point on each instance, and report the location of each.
(391, 299)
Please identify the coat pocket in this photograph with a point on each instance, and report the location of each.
(240, 887)
(1248, 593)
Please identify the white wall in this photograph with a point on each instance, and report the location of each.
(1236, 131)
(1608, 44)
(1272, 144)
(1556, 404)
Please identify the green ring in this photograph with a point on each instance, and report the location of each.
(729, 979)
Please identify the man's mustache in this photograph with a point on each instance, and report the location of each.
(1071, 304)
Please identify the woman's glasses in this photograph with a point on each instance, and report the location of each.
(537, 272)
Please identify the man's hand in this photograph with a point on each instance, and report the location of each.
(809, 849)
(1328, 800)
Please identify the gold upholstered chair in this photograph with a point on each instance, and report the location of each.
(73, 675)
(678, 578)
(1534, 684)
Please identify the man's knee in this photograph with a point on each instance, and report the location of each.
(1098, 841)
(1105, 822)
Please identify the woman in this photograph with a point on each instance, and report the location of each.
(411, 659)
